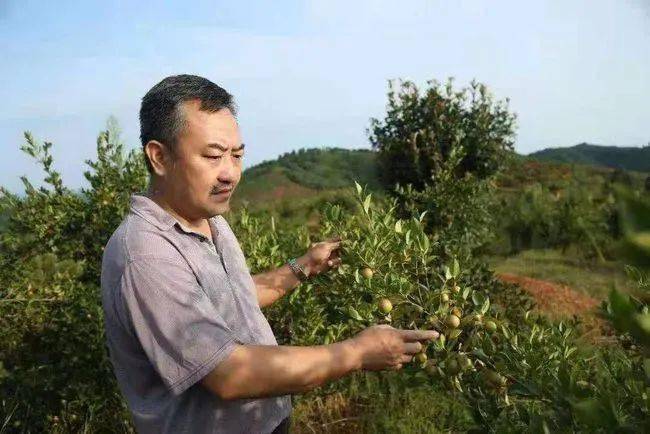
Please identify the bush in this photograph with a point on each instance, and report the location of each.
(421, 131)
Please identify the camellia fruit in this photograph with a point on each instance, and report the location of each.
(457, 312)
(452, 367)
(452, 321)
(464, 361)
(431, 368)
(490, 326)
(367, 273)
(495, 379)
(385, 306)
(421, 358)
(444, 298)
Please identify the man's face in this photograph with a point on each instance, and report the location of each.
(207, 160)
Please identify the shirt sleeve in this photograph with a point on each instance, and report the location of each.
(179, 329)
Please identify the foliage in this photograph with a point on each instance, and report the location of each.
(423, 130)
(49, 293)
(544, 377)
(506, 370)
(559, 217)
(631, 313)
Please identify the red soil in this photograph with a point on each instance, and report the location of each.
(554, 299)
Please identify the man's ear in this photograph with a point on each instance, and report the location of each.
(159, 156)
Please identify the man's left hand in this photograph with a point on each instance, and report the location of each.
(321, 257)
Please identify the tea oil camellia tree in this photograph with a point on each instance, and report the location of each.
(55, 372)
(443, 148)
(516, 371)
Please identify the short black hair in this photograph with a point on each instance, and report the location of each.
(161, 117)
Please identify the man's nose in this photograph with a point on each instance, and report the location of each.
(229, 171)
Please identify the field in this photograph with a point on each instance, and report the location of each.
(524, 273)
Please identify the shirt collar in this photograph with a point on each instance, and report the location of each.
(153, 213)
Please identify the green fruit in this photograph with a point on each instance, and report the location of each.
(367, 273)
(452, 367)
(490, 326)
(444, 298)
(431, 368)
(464, 362)
(455, 288)
(385, 306)
(421, 358)
(452, 321)
(456, 311)
(494, 379)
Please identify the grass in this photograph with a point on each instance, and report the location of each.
(587, 277)
(373, 403)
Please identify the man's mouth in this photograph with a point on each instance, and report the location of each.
(224, 192)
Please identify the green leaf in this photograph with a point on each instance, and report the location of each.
(478, 298)
(486, 306)
(359, 189)
(352, 312)
(455, 268)
(366, 203)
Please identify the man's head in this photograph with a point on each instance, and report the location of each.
(192, 144)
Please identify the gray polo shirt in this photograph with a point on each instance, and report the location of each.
(176, 303)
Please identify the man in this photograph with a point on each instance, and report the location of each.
(190, 347)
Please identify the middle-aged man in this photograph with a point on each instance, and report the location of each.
(190, 347)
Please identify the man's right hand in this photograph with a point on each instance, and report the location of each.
(254, 371)
(384, 347)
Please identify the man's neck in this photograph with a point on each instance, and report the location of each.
(158, 196)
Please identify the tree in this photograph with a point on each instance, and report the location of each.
(422, 130)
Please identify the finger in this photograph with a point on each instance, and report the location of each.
(334, 262)
(397, 367)
(419, 335)
(406, 358)
(334, 244)
(412, 347)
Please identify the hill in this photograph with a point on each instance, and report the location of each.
(306, 173)
(637, 159)
(296, 183)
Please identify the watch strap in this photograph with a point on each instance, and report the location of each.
(298, 271)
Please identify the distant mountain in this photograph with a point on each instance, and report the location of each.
(637, 159)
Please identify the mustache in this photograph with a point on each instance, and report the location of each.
(216, 190)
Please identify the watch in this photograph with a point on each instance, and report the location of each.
(298, 271)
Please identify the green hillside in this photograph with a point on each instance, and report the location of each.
(313, 173)
(306, 173)
(637, 159)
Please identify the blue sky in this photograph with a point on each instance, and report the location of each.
(308, 74)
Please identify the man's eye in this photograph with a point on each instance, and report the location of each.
(213, 157)
(239, 157)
